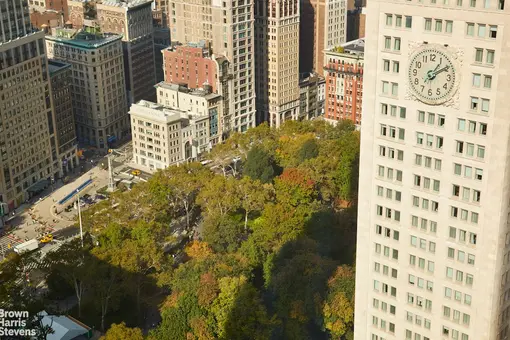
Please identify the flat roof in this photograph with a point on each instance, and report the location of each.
(357, 45)
(157, 112)
(55, 66)
(125, 3)
(194, 92)
(82, 38)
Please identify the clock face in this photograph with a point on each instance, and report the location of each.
(432, 75)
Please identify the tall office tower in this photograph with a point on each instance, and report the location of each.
(277, 60)
(133, 21)
(64, 140)
(228, 27)
(26, 106)
(98, 89)
(323, 25)
(161, 41)
(434, 215)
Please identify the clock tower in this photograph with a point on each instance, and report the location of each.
(433, 252)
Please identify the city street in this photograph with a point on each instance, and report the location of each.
(47, 212)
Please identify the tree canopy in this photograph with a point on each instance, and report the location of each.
(263, 252)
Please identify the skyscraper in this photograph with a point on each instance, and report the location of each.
(228, 27)
(26, 106)
(277, 60)
(133, 21)
(323, 25)
(98, 89)
(433, 235)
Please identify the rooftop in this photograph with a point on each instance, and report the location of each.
(85, 38)
(55, 66)
(160, 113)
(357, 45)
(126, 3)
(156, 112)
(202, 92)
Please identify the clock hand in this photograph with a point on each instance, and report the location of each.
(441, 70)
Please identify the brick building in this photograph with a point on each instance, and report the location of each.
(190, 65)
(344, 82)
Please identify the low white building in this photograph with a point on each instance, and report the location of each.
(197, 101)
(164, 136)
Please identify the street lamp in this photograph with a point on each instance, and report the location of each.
(79, 216)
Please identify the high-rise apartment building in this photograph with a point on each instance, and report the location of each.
(434, 212)
(228, 27)
(26, 106)
(62, 127)
(98, 88)
(344, 82)
(277, 60)
(133, 21)
(323, 25)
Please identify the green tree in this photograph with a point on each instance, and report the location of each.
(122, 332)
(71, 263)
(219, 196)
(309, 149)
(179, 186)
(259, 165)
(253, 195)
(139, 255)
(239, 312)
(224, 233)
(295, 187)
(338, 309)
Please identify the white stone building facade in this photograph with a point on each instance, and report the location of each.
(433, 222)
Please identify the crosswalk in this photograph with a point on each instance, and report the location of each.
(8, 242)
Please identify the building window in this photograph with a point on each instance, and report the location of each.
(470, 29)
(428, 24)
(409, 22)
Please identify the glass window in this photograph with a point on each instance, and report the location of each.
(449, 26)
(397, 44)
(461, 124)
(479, 55)
(482, 30)
(485, 105)
(487, 81)
(409, 22)
(439, 26)
(394, 89)
(493, 32)
(386, 65)
(398, 20)
(389, 19)
(428, 24)
(476, 79)
(490, 57)
(387, 43)
(470, 29)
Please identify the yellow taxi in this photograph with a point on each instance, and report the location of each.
(46, 239)
(136, 172)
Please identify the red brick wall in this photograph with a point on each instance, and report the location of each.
(186, 65)
(350, 106)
